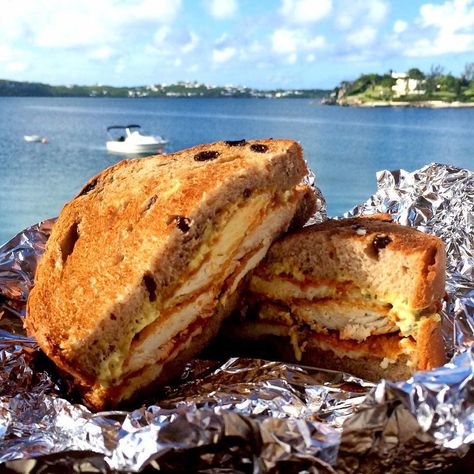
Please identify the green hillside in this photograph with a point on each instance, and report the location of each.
(413, 86)
(180, 89)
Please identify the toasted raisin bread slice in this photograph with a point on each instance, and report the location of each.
(142, 264)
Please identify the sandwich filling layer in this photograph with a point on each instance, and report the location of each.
(388, 348)
(230, 247)
(336, 304)
(335, 315)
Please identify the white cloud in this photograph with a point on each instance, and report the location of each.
(284, 41)
(223, 55)
(58, 24)
(17, 66)
(442, 44)
(452, 15)
(289, 41)
(361, 12)
(223, 40)
(292, 58)
(168, 41)
(13, 60)
(400, 26)
(221, 9)
(68, 32)
(193, 68)
(362, 20)
(104, 52)
(223, 49)
(163, 11)
(363, 37)
(191, 45)
(377, 11)
(446, 28)
(344, 20)
(255, 47)
(161, 35)
(306, 11)
(315, 42)
(120, 66)
(7, 53)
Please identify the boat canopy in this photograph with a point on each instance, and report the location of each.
(122, 127)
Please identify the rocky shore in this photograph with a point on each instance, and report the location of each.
(348, 101)
(423, 104)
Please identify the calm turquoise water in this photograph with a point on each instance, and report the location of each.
(344, 146)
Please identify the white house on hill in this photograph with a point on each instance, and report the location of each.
(405, 86)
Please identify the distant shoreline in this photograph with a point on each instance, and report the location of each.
(181, 89)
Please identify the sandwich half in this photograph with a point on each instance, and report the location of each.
(360, 295)
(144, 263)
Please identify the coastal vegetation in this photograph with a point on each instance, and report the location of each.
(413, 87)
(179, 89)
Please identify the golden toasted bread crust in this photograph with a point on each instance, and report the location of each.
(387, 257)
(129, 235)
(430, 351)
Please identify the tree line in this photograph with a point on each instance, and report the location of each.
(435, 84)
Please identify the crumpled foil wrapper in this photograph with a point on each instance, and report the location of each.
(255, 416)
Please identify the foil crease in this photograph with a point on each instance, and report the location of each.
(255, 416)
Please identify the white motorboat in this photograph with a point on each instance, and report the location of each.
(128, 139)
(35, 139)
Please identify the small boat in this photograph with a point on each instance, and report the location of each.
(130, 140)
(35, 139)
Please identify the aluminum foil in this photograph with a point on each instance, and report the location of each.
(321, 210)
(257, 416)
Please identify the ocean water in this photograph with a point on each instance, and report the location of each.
(345, 147)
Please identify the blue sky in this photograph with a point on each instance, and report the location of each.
(263, 44)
